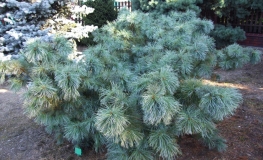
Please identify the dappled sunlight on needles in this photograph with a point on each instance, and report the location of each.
(230, 85)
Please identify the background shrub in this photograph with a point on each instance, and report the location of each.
(22, 21)
(104, 12)
(225, 36)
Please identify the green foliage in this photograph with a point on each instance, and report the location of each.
(104, 12)
(23, 20)
(232, 12)
(164, 144)
(234, 56)
(237, 8)
(232, 9)
(225, 36)
(213, 141)
(166, 6)
(213, 97)
(136, 91)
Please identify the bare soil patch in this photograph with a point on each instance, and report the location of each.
(22, 139)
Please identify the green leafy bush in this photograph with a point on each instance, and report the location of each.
(137, 91)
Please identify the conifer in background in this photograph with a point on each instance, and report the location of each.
(166, 6)
(224, 35)
(231, 11)
(227, 35)
(25, 20)
(137, 91)
(104, 12)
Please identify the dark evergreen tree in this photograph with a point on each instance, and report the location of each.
(233, 9)
(104, 12)
(166, 5)
(227, 35)
(233, 12)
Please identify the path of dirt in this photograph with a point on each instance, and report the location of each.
(22, 139)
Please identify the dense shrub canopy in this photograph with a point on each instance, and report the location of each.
(231, 10)
(137, 91)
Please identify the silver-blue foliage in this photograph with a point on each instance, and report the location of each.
(22, 21)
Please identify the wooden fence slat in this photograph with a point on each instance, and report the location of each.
(247, 24)
(251, 22)
(260, 23)
(255, 22)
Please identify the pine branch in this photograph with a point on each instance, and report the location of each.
(77, 131)
(111, 121)
(218, 102)
(116, 152)
(164, 144)
(157, 106)
(188, 91)
(215, 142)
(68, 79)
(114, 97)
(192, 121)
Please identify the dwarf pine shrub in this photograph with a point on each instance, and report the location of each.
(136, 92)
